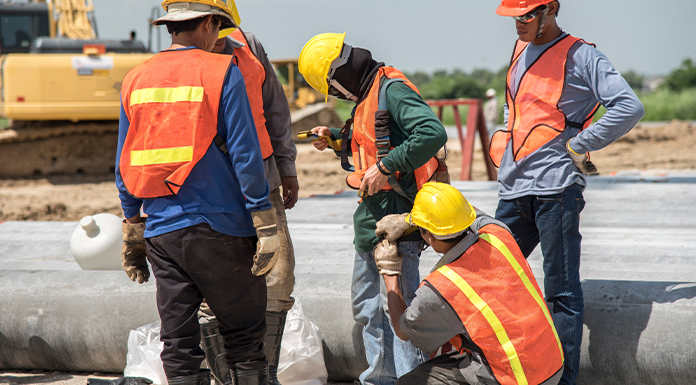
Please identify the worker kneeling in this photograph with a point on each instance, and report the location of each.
(481, 298)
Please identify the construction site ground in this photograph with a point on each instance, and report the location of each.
(651, 147)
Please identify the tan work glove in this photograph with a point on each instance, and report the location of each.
(392, 227)
(582, 161)
(134, 255)
(267, 247)
(388, 258)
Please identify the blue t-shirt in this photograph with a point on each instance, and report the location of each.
(221, 191)
(590, 78)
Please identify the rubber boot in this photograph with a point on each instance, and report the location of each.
(251, 377)
(275, 323)
(200, 378)
(213, 345)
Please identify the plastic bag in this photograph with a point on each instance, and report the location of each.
(301, 354)
(143, 359)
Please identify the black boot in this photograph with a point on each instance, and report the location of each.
(275, 323)
(200, 378)
(213, 345)
(251, 377)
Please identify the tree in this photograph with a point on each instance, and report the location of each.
(682, 78)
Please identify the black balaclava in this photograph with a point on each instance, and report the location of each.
(358, 73)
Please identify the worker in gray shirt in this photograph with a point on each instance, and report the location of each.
(555, 84)
(271, 112)
(480, 303)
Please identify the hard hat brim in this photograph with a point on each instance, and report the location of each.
(226, 32)
(513, 12)
(189, 14)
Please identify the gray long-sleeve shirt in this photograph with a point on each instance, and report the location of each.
(277, 113)
(590, 78)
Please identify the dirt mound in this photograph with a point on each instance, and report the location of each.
(69, 198)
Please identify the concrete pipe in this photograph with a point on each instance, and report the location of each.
(70, 320)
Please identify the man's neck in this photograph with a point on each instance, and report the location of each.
(183, 40)
(551, 33)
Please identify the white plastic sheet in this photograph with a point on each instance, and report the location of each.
(144, 348)
(301, 353)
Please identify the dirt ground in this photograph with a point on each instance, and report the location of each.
(68, 198)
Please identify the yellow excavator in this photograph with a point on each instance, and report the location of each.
(60, 89)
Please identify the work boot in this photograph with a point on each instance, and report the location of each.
(275, 323)
(213, 345)
(251, 377)
(200, 378)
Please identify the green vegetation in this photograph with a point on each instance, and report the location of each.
(667, 105)
(681, 78)
(4, 123)
(458, 84)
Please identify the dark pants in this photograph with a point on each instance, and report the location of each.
(554, 222)
(451, 368)
(196, 263)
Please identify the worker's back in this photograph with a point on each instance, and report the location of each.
(493, 291)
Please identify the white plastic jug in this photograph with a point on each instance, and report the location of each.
(97, 242)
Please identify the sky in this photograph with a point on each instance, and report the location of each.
(647, 36)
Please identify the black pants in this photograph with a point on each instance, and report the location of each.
(451, 368)
(195, 263)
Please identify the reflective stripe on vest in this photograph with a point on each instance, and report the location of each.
(512, 326)
(254, 76)
(534, 117)
(363, 142)
(172, 103)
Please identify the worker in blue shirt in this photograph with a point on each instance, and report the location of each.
(555, 84)
(210, 231)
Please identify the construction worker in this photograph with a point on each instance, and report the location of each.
(272, 118)
(481, 297)
(211, 229)
(490, 111)
(394, 138)
(554, 86)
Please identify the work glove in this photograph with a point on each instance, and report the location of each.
(392, 227)
(267, 246)
(134, 255)
(388, 258)
(582, 161)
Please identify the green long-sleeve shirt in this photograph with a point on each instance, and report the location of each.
(417, 134)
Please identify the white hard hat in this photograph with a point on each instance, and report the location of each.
(490, 93)
(178, 10)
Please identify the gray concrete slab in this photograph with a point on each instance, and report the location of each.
(638, 268)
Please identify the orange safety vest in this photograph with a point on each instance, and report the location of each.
(363, 144)
(254, 76)
(493, 291)
(171, 101)
(534, 117)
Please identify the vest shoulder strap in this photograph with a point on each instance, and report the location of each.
(383, 132)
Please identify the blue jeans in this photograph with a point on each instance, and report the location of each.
(388, 356)
(554, 221)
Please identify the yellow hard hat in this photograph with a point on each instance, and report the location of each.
(178, 10)
(235, 16)
(316, 59)
(442, 210)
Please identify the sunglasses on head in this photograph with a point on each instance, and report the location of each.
(529, 17)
